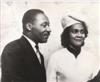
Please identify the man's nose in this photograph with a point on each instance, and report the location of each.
(48, 29)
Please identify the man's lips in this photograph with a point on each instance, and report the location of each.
(46, 36)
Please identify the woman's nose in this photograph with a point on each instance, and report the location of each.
(79, 34)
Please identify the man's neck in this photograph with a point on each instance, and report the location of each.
(31, 38)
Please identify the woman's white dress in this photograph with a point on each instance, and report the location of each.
(64, 67)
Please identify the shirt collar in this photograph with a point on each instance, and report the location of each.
(31, 42)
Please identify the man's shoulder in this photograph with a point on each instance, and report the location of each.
(12, 46)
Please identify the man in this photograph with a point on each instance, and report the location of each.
(21, 60)
(72, 63)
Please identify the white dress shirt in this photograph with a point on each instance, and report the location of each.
(64, 67)
(32, 43)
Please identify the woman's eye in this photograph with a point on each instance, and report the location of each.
(74, 31)
(82, 31)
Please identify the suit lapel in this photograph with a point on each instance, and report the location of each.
(28, 49)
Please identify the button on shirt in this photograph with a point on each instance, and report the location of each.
(34, 48)
(64, 67)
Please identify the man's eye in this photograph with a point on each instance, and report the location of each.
(44, 25)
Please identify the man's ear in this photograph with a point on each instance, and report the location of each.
(28, 26)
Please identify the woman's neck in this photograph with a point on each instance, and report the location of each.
(74, 50)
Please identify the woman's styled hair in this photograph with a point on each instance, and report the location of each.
(65, 34)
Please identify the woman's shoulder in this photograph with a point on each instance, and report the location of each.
(59, 53)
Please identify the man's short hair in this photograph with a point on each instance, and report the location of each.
(30, 15)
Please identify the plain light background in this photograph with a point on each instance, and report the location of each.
(11, 21)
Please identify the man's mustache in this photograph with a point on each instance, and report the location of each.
(46, 33)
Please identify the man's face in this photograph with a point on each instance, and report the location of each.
(40, 28)
(77, 35)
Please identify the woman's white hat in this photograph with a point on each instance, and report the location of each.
(71, 19)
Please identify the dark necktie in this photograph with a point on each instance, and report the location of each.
(38, 53)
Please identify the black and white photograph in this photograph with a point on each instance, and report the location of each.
(49, 41)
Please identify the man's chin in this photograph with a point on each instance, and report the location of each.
(44, 41)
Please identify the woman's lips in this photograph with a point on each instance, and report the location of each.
(79, 40)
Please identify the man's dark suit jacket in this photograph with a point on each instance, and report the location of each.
(19, 63)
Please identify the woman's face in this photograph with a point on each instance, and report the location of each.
(77, 35)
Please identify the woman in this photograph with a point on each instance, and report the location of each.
(72, 63)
